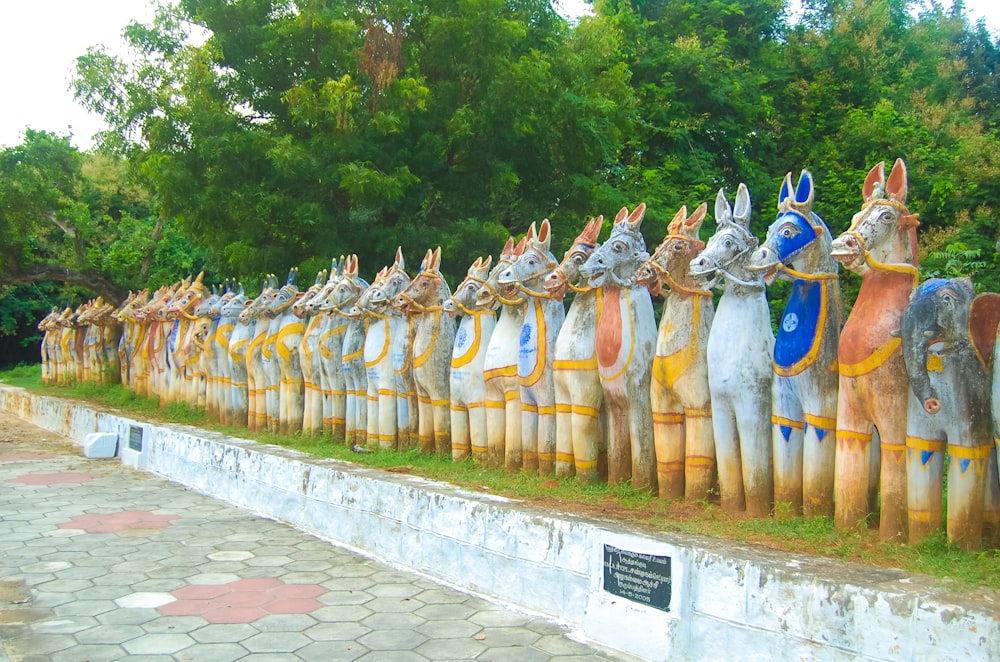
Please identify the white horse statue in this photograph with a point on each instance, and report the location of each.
(581, 442)
(543, 318)
(467, 383)
(740, 347)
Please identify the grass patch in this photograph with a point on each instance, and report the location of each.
(811, 535)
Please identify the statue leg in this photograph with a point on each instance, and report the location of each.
(425, 420)
(966, 494)
(640, 416)
(991, 503)
(668, 439)
(924, 477)
(787, 434)
(529, 430)
(564, 422)
(512, 445)
(461, 439)
(496, 424)
(755, 452)
(853, 463)
(727, 450)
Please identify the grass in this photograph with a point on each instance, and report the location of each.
(811, 535)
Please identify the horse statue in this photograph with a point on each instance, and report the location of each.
(581, 444)
(503, 390)
(255, 314)
(682, 403)
(740, 347)
(291, 392)
(182, 352)
(238, 334)
(625, 344)
(804, 392)
(433, 341)
(880, 246)
(386, 357)
(341, 308)
(543, 318)
(280, 316)
(47, 325)
(319, 327)
(467, 383)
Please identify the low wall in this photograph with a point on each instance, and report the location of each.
(655, 596)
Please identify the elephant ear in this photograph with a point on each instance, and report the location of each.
(984, 317)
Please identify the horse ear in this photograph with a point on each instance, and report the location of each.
(804, 191)
(786, 189)
(508, 248)
(723, 212)
(897, 187)
(486, 264)
(621, 215)
(694, 221)
(532, 233)
(874, 181)
(635, 218)
(436, 259)
(678, 220)
(593, 230)
(521, 245)
(426, 262)
(399, 258)
(984, 317)
(545, 234)
(741, 210)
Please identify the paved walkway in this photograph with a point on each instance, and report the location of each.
(102, 562)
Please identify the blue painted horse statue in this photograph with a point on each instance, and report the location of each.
(804, 408)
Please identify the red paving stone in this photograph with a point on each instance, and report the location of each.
(120, 521)
(244, 600)
(61, 478)
(25, 456)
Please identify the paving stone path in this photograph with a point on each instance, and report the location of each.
(99, 562)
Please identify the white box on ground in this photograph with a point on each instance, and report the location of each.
(100, 445)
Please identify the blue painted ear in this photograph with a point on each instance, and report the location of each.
(786, 188)
(805, 188)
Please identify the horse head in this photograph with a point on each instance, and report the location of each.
(883, 235)
(617, 260)
(567, 274)
(534, 263)
(300, 308)
(798, 242)
(189, 298)
(256, 308)
(322, 298)
(670, 263)
(428, 290)
(348, 289)
(728, 252)
(237, 302)
(492, 293)
(464, 299)
(392, 280)
(286, 296)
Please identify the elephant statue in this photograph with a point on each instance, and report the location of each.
(947, 341)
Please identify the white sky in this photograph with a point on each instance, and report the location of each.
(41, 39)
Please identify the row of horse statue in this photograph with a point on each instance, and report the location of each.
(830, 417)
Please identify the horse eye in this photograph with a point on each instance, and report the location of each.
(885, 217)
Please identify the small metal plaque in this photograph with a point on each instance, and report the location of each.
(642, 578)
(135, 438)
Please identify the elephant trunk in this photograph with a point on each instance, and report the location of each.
(916, 341)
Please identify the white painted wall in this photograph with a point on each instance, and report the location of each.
(729, 601)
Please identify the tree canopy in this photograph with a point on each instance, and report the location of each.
(248, 136)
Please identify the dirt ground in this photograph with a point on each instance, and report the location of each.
(13, 430)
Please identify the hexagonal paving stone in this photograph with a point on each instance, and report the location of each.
(158, 644)
(451, 649)
(59, 478)
(276, 642)
(120, 521)
(344, 631)
(512, 636)
(244, 600)
(392, 640)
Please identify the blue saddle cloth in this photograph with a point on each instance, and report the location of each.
(799, 324)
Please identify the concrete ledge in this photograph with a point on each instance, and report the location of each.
(726, 600)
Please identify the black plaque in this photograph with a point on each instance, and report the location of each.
(135, 438)
(642, 578)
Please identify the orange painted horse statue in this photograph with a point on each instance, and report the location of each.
(881, 246)
(682, 403)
